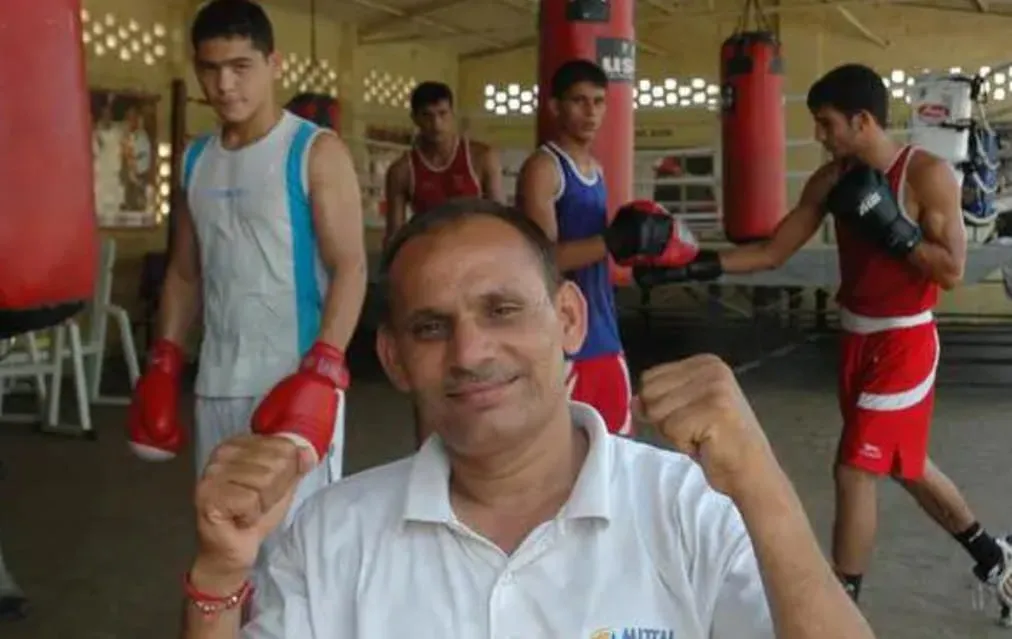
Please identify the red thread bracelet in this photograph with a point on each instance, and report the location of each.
(209, 605)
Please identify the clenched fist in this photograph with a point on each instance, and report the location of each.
(698, 407)
(243, 496)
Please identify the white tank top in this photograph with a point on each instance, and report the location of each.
(263, 281)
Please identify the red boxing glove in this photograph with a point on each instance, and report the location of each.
(303, 406)
(153, 418)
(639, 228)
(679, 249)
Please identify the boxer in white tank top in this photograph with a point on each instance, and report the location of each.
(264, 282)
(269, 250)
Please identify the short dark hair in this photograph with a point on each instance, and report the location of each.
(429, 93)
(456, 211)
(233, 19)
(575, 72)
(851, 89)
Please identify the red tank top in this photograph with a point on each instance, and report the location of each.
(431, 186)
(872, 282)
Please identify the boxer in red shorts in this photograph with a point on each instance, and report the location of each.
(900, 236)
(561, 186)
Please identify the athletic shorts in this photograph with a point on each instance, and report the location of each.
(603, 382)
(887, 394)
(219, 418)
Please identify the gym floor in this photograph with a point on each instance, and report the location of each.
(99, 540)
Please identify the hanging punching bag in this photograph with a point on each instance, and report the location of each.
(320, 109)
(753, 137)
(48, 231)
(602, 32)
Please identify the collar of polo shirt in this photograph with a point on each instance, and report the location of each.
(428, 498)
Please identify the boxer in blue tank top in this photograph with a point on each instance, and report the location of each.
(561, 186)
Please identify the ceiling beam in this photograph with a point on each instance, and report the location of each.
(414, 11)
(429, 36)
(660, 6)
(951, 9)
(516, 45)
(861, 27)
(531, 6)
(676, 14)
(423, 20)
(803, 5)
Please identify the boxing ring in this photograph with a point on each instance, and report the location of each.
(782, 309)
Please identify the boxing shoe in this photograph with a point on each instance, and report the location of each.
(13, 607)
(153, 418)
(13, 604)
(304, 406)
(998, 582)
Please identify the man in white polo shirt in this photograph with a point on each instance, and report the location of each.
(522, 517)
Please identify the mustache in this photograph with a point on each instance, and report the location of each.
(459, 379)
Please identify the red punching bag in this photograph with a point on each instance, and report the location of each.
(48, 230)
(320, 109)
(753, 138)
(603, 32)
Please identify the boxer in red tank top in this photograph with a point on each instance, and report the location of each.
(442, 164)
(900, 237)
(431, 185)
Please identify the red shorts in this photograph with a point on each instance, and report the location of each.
(603, 382)
(887, 396)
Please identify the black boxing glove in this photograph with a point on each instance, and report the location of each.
(863, 199)
(639, 228)
(705, 267)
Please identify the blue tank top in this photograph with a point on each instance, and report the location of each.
(581, 211)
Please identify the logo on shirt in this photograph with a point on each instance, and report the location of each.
(226, 194)
(632, 633)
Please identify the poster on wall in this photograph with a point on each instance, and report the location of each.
(124, 156)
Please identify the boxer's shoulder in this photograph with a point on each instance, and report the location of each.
(926, 169)
(330, 160)
(327, 143)
(829, 173)
(483, 156)
(930, 182)
(400, 168)
(478, 148)
(539, 165)
(821, 182)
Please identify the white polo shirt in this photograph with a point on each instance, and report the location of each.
(643, 549)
